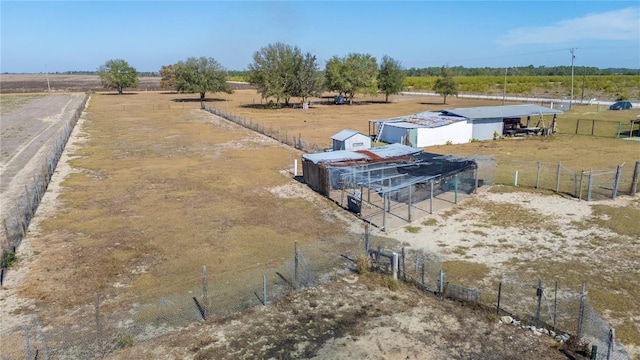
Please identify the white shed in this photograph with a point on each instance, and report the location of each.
(350, 140)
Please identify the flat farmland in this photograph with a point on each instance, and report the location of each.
(157, 188)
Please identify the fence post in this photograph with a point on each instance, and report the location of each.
(205, 298)
(577, 125)
(26, 337)
(581, 313)
(455, 189)
(580, 187)
(634, 180)
(441, 284)
(515, 179)
(538, 175)
(558, 176)
(610, 343)
(264, 290)
(590, 183)
(619, 129)
(404, 268)
(422, 280)
(295, 270)
(431, 198)
(394, 265)
(366, 238)
(499, 296)
(593, 125)
(539, 295)
(617, 181)
(555, 304)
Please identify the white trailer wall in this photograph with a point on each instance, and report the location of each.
(458, 133)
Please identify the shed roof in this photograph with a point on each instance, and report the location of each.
(376, 153)
(428, 119)
(492, 112)
(345, 134)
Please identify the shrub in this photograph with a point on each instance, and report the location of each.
(8, 259)
(362, 264)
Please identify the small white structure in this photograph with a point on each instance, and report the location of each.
(350, 140)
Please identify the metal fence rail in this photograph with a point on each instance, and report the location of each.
(588, 185)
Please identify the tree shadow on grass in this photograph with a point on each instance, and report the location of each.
(199, 100)
(117, 94)
(432, 103)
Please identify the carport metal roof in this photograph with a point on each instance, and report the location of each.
(507, 111)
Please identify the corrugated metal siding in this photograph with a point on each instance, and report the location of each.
(484, 129)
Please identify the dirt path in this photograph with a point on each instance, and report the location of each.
(29, 134)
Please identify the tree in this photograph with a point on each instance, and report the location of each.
(390, 77)
(356, 73)
(445, 85)
(307, 80)
(167, 76)
(118, 75)
(200, 75)
(283, 71)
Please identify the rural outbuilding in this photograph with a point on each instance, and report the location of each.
(462, 125)
(350, 140)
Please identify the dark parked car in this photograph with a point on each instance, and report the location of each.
(620, 105)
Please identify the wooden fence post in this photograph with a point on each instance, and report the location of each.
(634, 180)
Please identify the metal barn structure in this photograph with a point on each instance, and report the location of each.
(391, 185)
(458, 126)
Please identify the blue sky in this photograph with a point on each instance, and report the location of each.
(81, 35)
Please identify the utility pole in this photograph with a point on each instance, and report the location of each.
(504, 90)
(573, 56)
(47, 72)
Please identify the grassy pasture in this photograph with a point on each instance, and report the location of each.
(163, 188)
(159, 194)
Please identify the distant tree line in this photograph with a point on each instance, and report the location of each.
(523, 71)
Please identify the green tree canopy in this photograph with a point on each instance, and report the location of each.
(445, 85)
(117, 74)
(356, 73)
(200, 75)
(390, 77)
(166, 76)
(283, 71)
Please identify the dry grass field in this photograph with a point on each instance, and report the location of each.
(160, 188)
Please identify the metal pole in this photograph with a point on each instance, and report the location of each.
(555, 304)
(441, 285)
(395, 266)
(581, 314)
(26, 337)
(499, 297)
(558, 172)
(580, 189)
(504, 90)
(610, 344)
(409, 210)
(634, 180)
(205, 298)
(515, 178)
(573, 56)
(539, 295)
(295, 271)
(431, 199)
(538, 175)
(455, 189)
(617, 181)
(589, 184)
(264, 290)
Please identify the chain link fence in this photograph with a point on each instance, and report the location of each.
(587, 185)
(277, 134)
